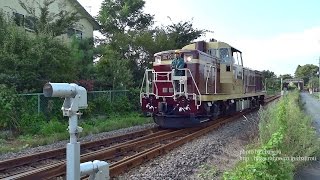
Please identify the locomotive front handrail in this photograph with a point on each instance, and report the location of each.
(195, 84)
(168, 74)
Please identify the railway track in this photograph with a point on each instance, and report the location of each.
(121, 152)
(12, 166)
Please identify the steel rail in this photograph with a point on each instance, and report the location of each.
(137, 145)
(15, 162)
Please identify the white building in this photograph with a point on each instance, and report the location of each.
(84, 28)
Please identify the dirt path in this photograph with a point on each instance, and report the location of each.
(312, 108)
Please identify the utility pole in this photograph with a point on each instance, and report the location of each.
(282, 92)
(319, 80)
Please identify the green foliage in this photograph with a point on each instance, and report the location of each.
(273, 85)
(83, 52)
(134, 98)
(313, 82)
(118, 16)
(32, 124)
(131, 39)
(182, 33)
(111, 105)
(122, 105)
(53, 127)
(285, 76)
(306, 72)
(207, 172)
(268, 74)
(113, 122)
(285, 133)
(10, 108)
(29, 62)
(45, 22)
(55, 130)
(112, 71)
(271, 82)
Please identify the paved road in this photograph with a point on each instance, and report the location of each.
(312, 108)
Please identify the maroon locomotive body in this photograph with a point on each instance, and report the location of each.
(213, 83)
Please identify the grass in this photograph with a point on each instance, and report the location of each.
(316, 95)
(272, 92)
(284, 132)
(207, 172)
(56, 131)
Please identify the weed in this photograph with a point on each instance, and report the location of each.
(207, 172)
(284, 131)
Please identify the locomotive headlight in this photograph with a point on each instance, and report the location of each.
(158, 59)
(188, 58)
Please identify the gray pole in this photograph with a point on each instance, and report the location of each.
(282, 92)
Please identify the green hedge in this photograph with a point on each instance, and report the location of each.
(19, 113)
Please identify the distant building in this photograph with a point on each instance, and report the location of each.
(83, 29)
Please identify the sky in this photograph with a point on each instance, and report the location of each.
(272, 35)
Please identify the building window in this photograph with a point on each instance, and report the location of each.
(18, 18)
(74, 32)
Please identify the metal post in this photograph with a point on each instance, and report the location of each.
(319, 81)
(73, 149)
(265, 84)
(38, 103)
(75, 99)
(282, 92)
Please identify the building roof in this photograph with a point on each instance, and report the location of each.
(85, 13)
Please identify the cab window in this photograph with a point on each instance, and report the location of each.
(236, 58)
(224, 56)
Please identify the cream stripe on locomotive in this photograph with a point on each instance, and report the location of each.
(193, 61)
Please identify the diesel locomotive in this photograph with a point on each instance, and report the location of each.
(209, 82)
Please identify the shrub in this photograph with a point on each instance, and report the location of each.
(32, 124)
(53, 127)
(10, 110)
(122, 105)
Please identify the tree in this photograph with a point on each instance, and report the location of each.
(313, 83)
(112, 71)
(182, 33)
(270, 80)
(130, 36)
(286, 76)
(83, 52)
(268, 74)
(47, 22)
(121, 16)
(11, 108)
(27, 62)
(306, 72)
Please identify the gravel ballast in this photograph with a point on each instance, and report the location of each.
(220, 148)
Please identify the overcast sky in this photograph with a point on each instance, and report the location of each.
(273, 35)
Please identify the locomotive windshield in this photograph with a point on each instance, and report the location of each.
(167, 56)
(225, 56)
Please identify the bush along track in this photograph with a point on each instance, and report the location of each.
(287, 140)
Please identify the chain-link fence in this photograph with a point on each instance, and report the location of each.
(36, 103)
